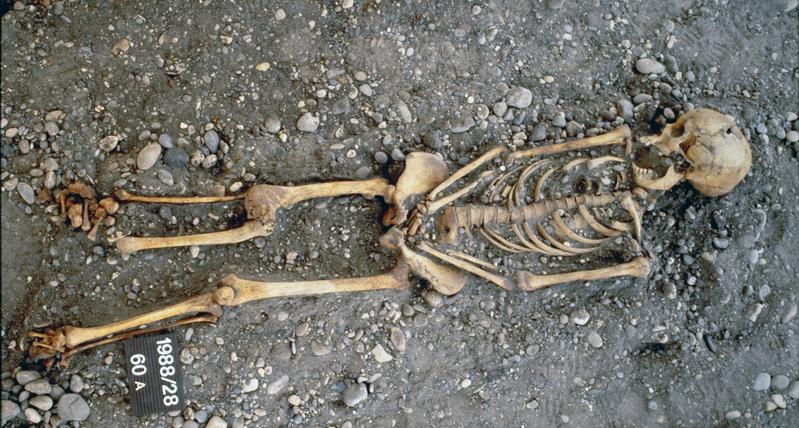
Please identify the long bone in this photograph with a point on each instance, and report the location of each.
(618, 136)
(261, 202)
(638, 267)
(233, 291)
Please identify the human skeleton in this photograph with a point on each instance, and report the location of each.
(522, 203)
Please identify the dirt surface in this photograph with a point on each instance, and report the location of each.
(690, 345)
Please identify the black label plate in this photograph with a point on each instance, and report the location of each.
(155, 377)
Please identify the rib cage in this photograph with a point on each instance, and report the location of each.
(559, 208)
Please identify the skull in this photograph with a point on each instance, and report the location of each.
(703, 146)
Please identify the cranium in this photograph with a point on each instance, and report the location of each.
(703, 146)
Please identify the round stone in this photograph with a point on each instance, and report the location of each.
(211, 141)
(72, 407)
(649, 66)
(308, 123)
(355, 394)
(176, 158)
(272, 124)
(762, 382)
(166, 141)
(519, 97)
(148, 156)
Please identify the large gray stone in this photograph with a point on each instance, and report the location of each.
(72, 407)
(519, 97)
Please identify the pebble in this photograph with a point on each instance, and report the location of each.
(380, 354)
(649, 66)
(462, 124)
(539, 132)
(176, 158)
(595, 340)
(581, 317)
(721, 243)
(165, 140)
(519, 97)
(319, 349)
(340, 105)
(211, 140)
(209, 161)
(780, 382)
(165, 177)
(42, 402)
(26, 192)
(354, 394)
(72, 407)
(363, 172)
(53, 116)
(397, 338)
(433, 298)
(280, 15)
(762, 382)
(39, 387)
(272, 124)
(148, 156)
(433, 140)
(10, 410)
(294, 400)
(732, 415)
(499, 108)
(793, 389)
(250, 385)
(779, 400)
(381, 157)
(792, 136)
(51, 129)
(108, 143)
(624, 108)
(120, 47)
(281, 351)
(404, 112)
(366, 89)
(26, 376)
(397, 155)
(559, 120)
(308, 123)
(216, 422)
(277, 385)
(32, 415)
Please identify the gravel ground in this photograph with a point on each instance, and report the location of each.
(210, 97)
